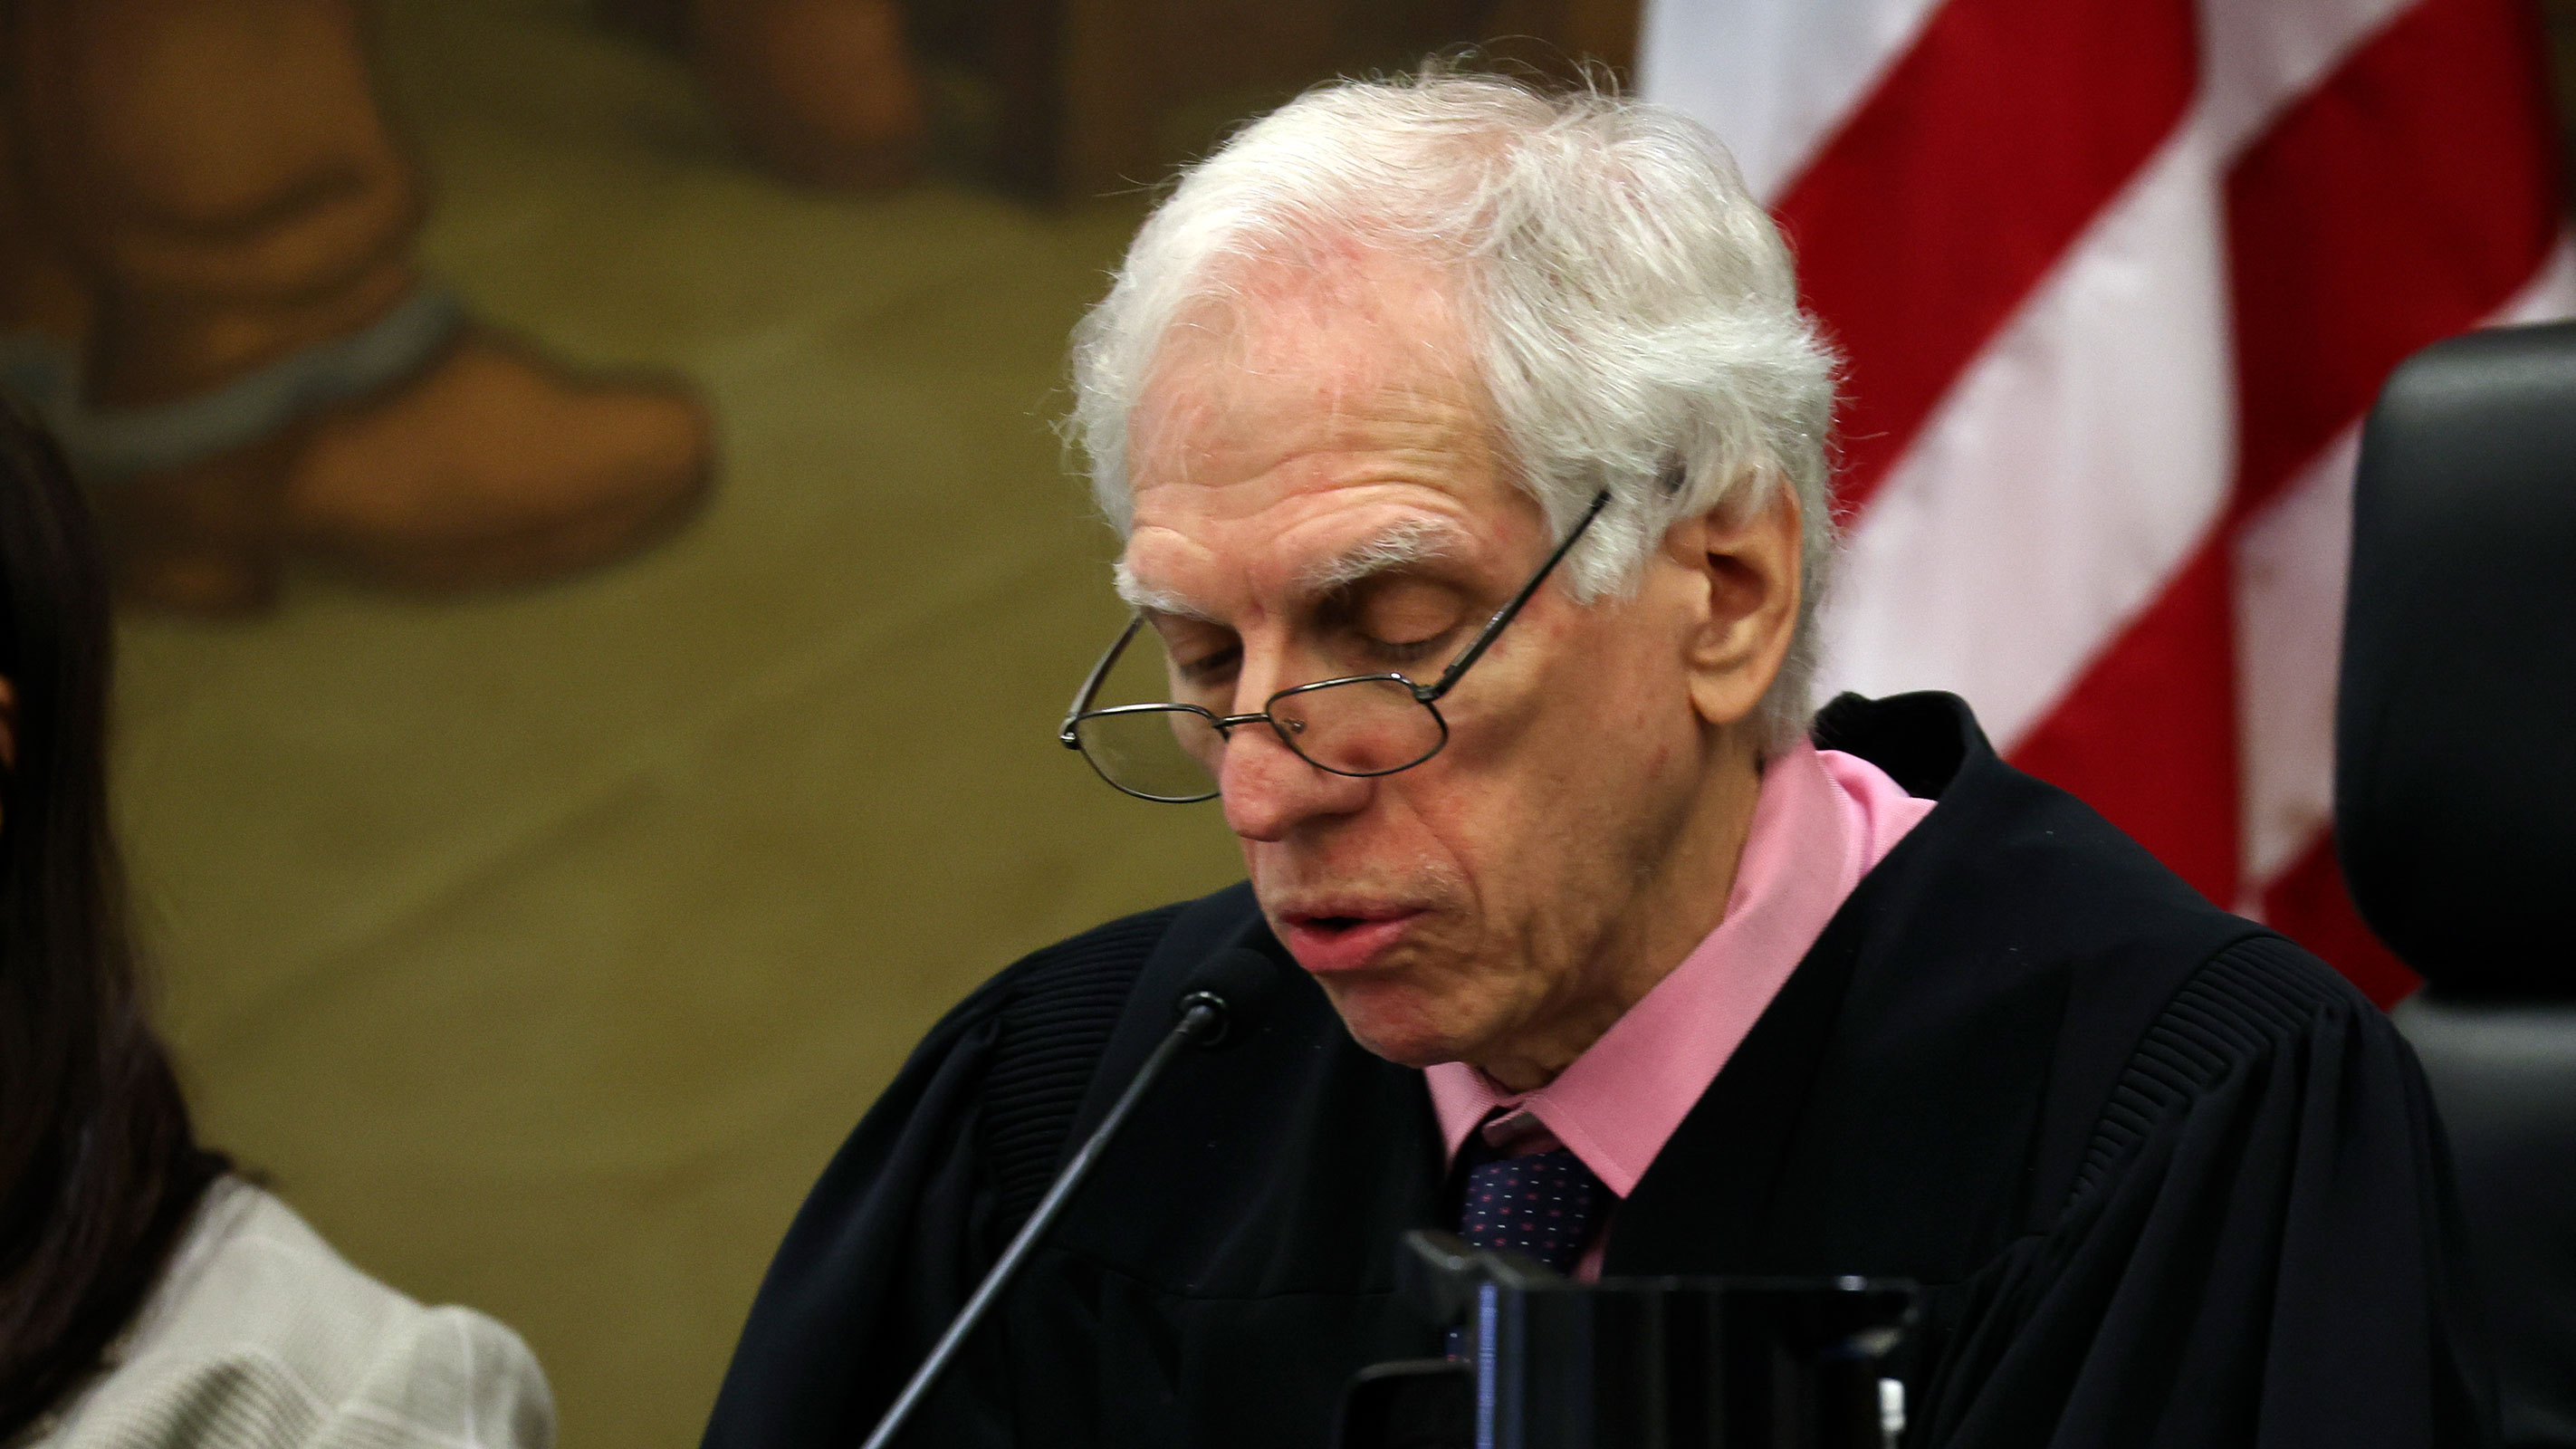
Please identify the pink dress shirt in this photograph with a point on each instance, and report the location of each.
(1822, 819)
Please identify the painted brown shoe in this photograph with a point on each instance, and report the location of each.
(495, 467)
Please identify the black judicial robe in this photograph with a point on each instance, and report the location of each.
(2167, 1180)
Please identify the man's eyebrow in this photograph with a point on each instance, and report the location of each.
(1413, 541)
(1146, 599)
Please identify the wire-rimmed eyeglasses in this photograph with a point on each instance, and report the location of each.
(1359, 724)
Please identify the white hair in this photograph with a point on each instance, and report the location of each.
(1635, 312)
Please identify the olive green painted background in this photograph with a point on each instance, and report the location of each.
(541, 948)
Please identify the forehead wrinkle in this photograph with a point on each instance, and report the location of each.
(1344, 326)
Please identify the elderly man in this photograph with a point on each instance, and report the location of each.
(1469, 449)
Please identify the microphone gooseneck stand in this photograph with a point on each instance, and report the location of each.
(1222, 992)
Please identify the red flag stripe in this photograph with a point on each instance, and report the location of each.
(1959, 183)
(2148, 734)
(2349, 252)
(2304, 894)
(2401, 202)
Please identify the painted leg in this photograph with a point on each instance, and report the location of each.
(822, 90)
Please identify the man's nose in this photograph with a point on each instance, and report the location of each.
(1269, 790)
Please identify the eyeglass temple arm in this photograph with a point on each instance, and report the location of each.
(1091, 683)
(1503, 615)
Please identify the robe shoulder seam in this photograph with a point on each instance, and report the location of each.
(1052, 1025)
(2239, 1007)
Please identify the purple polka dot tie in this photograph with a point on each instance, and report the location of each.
(1543, 1204)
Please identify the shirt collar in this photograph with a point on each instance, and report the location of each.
(1821, 820)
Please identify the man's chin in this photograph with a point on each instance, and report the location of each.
(1401, 1023)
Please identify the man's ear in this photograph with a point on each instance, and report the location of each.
(1744, 575)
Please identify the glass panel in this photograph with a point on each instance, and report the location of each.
(1164, 754)
(1364, 727)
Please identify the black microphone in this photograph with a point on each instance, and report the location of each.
(1222, 999)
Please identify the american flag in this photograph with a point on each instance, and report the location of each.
(2114, 282)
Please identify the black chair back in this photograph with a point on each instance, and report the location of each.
(2455, 803)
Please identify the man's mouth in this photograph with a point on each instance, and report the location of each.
(1344, 939)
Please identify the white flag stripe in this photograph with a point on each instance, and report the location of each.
(2082, 458)
(2288, 601)
(2078, 461)
(2288, 596)
(2257, 59)
(1773, 78)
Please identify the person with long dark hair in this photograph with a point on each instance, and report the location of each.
(148, 1294)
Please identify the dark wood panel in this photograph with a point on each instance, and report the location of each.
(1097, 95)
